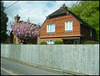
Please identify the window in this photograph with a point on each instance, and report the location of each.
(51, 28)
(50, 42)
(91, 33)
(68, 26)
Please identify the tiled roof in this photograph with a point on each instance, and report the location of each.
(58, 12)
(63, 11)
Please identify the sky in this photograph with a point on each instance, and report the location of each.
(37, 11)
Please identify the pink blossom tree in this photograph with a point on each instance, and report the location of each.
(25, 30)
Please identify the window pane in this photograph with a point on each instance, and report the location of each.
(53, 26)
(49, 27)
(71, 25)
(48, 42)
(66, 25)
(53, 41)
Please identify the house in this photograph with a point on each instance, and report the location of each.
(65, 26)
(15, 39)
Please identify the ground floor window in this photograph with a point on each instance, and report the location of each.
(50, 42)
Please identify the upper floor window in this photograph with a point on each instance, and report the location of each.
(51, 28)
(68, 25)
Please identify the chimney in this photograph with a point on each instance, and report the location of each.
(64, 6)
(17, 18)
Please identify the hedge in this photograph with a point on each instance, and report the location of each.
(43, 42)
(58, 42)
(90, 42)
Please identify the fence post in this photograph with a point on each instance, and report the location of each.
(37, 54)
(62, 60)
(20, 51)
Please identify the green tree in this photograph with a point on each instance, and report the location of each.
(3, 25)
(89, 12)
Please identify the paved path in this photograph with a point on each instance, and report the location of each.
(3, 72)
(19, 69)
(7, 72)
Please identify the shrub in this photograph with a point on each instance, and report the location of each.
(58, 42)
(90, 42)
(6, 43)
(43, 42)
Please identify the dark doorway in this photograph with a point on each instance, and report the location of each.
(71, 41)
(68, 41)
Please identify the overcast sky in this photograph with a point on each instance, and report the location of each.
(35, 10)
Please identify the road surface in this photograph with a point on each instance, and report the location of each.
(12, 68)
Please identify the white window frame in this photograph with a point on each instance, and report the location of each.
(50, 28)
(67, 26)
(50, 41)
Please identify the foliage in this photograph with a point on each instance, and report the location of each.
(43, 42)
(3, 26)
(26, 30)
(89, 12)
(7, 43)
(90, 42)
(58, 42)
